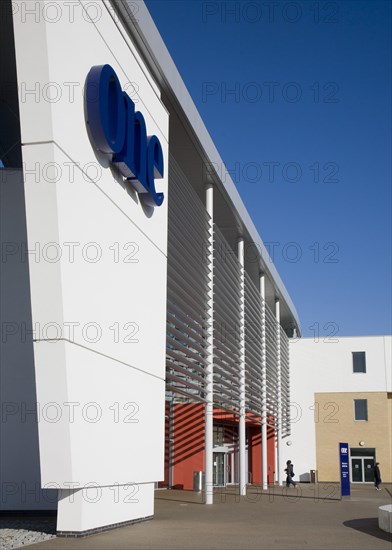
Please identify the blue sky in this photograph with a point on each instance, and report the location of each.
(306, 133)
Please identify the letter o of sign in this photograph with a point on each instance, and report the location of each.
(105, 109)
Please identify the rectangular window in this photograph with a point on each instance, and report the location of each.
(219, 436)
(360, 409)
(359, 361)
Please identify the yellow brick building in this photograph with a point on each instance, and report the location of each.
(369, 440)
(341, 391)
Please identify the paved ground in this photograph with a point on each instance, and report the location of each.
(310, 517)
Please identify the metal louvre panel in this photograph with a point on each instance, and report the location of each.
(181, 237)
(194, 261)
(220, 267)
(185, 372)
(222, 298)
(187, 288)
(227, 338)
(272, 364)
(253, 347)
(186, 191)
(223, 403)
(185, 347)
(226, 341)
(227, 323)
(177, 297)
(223, 370)
(188, 395)
(285, 372)
(187, 327)
(221, 360)
(178, 311)
(176, 356)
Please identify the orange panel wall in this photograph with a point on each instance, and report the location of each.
(188, 446)
(188, 443)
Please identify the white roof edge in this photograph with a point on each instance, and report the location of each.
(149, 34)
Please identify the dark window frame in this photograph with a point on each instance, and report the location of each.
(356, 411)
(359, 362)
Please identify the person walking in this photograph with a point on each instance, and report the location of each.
(289, 474)
(377, 476)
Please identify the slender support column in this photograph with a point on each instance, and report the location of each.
(171, 442)
(279, 411)
(209, 411)
(264, 458)
(242, 425)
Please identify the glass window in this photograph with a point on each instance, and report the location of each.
(359, 361)
(360, 409)
(219, 436)
(363, 451)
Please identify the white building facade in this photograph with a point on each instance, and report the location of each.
(132, 277)
(340, 392)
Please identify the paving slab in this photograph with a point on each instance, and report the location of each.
(309, 516)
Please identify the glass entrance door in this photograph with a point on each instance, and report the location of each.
(368, 467)
(356, 469)
(362, 469)
(230, 468)
(219, 461)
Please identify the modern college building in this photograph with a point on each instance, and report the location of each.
(145, 331)
(341, 391)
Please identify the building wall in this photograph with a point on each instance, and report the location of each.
(255, 455)
(324, 365)
(188, 443)
(339, 425)
(187, 440)
(94, 314)
(95, 356)
(19, 445)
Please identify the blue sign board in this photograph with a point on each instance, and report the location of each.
(344, 470)
(118, 130)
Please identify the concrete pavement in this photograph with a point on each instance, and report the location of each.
(310, 516)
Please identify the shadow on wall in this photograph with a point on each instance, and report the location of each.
(19, 456)
(19, 466)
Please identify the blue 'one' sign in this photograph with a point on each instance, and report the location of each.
(120, 131)
(344, 470)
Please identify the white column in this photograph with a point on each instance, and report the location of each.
(264, 459)
(209, 419)
(171, 441)
(279, 462)
(242, 425)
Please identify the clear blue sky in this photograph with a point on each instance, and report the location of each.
(312, 93)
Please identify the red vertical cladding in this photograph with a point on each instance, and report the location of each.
(271, 452)
(254, 453)
(165, 482)
(188, 435)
